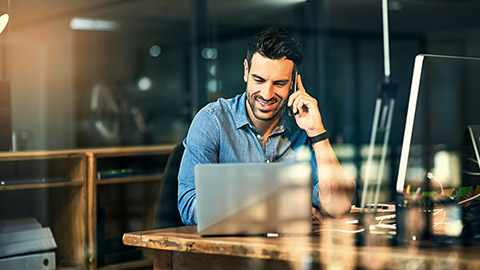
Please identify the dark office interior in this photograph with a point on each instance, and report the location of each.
(101, 74)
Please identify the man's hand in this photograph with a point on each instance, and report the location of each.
(317, 218)
(305, 109)
(336, 190)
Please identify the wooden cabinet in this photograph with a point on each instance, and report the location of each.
(123, 187)
(88, 197)
(51, 187)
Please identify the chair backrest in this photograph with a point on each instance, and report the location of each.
(167, 214)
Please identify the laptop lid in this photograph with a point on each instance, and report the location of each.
(254, 198)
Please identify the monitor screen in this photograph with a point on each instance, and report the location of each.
(444, 101)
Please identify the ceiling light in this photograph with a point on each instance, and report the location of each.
(209, 53)
(155, 51)
(144, 84)
(94, 25)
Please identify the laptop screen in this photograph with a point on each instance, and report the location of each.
(253, 198)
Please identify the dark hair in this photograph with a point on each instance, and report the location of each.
(275, 43)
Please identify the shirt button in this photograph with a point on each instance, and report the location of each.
(259, 136)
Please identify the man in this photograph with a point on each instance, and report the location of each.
(267, 123)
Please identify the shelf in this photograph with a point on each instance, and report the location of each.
(61, 189)
(131, 179)
(42, 185)
(41, 169)
(130, 151)
(36, 155)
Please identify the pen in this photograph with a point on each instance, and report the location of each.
(416, 193)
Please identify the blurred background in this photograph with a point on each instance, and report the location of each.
(97, 73)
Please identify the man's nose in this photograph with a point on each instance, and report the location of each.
(267, 91)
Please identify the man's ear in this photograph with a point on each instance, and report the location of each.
(245, 70)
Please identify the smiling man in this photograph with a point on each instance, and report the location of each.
(267, 123)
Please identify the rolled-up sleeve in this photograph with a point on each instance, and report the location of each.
(201, 146)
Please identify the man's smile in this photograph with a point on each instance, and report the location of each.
(265, 105)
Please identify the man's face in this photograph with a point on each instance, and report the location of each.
(268, 85)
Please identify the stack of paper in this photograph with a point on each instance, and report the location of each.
(25, 244)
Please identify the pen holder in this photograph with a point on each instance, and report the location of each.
(447, 222)
(413, 220)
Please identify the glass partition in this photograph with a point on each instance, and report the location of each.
(135, 72)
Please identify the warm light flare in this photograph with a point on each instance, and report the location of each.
(3, 21)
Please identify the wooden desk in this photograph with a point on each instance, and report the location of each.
(183, 248)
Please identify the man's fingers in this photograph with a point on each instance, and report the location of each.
(294, 96)
(300, 84)
(296, 104)
(316, 216)
(301, 102)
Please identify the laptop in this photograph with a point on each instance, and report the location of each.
(254, 198)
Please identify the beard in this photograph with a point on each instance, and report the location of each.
(274, 106)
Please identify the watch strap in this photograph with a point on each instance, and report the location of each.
(320, 137)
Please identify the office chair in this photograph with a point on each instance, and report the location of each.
(167, 214)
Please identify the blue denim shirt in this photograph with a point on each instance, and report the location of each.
(221, 132)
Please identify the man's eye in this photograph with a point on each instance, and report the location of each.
(280, 84)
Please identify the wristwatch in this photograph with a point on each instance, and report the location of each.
(320, 137)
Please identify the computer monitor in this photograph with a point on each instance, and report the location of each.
(444, 100)
(442, 109)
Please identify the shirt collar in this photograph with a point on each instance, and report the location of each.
(241, 116)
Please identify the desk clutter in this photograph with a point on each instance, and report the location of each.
(461, 195)
(25, 244)
(446, 217)
(455, 212)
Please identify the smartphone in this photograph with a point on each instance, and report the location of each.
(295, 82)
(294, 88)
